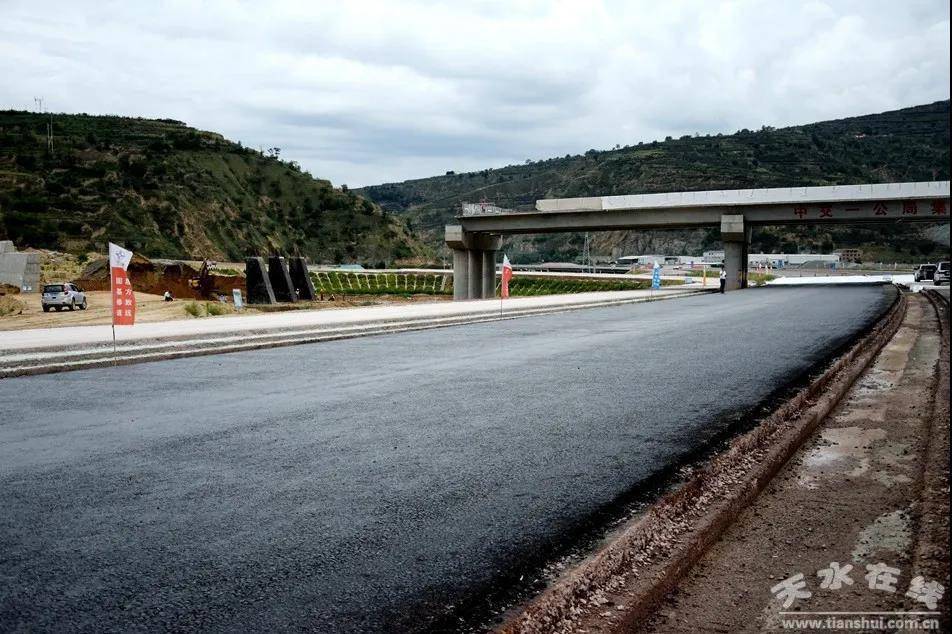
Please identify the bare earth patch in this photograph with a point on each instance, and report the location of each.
(852, 472)
(854, 495)
(152, 308)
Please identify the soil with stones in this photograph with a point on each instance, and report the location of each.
(867, 498)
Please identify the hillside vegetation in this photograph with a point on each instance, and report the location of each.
(167, 190)
(911, 144)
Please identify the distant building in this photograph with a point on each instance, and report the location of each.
(641, 260)
(850, 255)
(780, 260)
(775, 260)
(691, 260)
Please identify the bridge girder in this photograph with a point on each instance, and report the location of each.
(476, 238)
(891, 202)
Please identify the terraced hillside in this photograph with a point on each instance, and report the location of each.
(168, 190)
(911, 144)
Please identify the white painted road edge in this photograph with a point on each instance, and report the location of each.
(55, 349)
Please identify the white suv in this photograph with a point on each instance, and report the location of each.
(941, 274)
(60, 296)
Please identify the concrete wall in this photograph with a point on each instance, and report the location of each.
(19, 269)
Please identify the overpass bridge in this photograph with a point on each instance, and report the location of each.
(476, 238)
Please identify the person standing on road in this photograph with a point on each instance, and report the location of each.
(723, 279)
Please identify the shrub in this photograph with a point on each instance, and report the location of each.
(215, 309)
(10, 306)
(193, 309)
(760, 278)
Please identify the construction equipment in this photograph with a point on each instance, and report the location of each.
(203, 284)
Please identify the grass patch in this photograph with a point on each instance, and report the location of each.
(10, 306)
(215, 309)
(208, 309)
(760, 278)
(340, 283)
(193, 309)
(711, 272)
(525, 286)
(405, 284)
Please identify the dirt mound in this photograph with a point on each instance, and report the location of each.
(158, 276)
(10, 306)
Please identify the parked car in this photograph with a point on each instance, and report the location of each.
(941, 274)
(925, 272)
(60, 296)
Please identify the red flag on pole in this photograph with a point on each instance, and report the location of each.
(506, 276)
(123, 299)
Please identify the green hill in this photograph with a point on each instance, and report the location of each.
(911, 144)
(164, 189)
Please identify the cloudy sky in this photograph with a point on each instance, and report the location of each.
(364, 92)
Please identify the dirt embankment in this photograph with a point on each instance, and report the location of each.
(867, 492)
(869, 488)
(150, 279)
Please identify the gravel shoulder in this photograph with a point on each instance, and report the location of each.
(869, 488)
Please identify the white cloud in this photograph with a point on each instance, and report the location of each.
(368, 91)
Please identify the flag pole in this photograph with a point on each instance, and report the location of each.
(112, 310)
(120, 288)
(504, 277)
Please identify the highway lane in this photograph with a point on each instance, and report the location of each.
(370, 483)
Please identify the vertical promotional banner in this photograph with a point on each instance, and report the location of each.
(123, 299)
(656, 276)
(506, 276)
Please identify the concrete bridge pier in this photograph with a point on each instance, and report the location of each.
(736, 237)
(474, 263)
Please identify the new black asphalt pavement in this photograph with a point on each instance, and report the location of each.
(375, 483)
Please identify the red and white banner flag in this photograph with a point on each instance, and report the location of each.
(123, 299)
(506, 276)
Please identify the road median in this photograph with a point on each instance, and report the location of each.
(61, 349)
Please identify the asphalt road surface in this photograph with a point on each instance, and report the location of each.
(375, 483)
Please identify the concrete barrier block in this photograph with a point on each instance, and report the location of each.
(281, 279)
(21, 270)
(257, 283)
(301, 279)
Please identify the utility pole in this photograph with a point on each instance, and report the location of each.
(38, 102)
